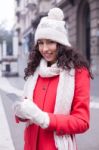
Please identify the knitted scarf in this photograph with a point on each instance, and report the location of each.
(64, 97)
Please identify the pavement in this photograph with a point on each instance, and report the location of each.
(6, 142)
(15, 85)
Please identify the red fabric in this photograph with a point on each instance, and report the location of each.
(37, 138)
(17, 119)
(20, 119)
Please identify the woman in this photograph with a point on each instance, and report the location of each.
(57, 91)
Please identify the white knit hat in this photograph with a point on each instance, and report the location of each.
(52, 27)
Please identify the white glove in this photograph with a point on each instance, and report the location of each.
(29, 110)
(17, 110)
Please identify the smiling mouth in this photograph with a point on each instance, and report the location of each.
(48, 54)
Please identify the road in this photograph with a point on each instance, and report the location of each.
(10, 91)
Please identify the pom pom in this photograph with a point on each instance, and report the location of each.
(56, 13)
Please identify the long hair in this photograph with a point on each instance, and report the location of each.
(67, 58)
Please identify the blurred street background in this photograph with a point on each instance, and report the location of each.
(18, 22)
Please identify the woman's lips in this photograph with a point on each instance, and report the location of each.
(48, 55)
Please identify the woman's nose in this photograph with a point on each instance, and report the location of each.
(45, 47)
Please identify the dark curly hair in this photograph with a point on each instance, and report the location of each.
(67, 58)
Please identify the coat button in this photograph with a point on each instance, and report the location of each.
(44, 88)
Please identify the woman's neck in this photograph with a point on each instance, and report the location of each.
(49, 64)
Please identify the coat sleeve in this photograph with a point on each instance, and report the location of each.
(78, 120)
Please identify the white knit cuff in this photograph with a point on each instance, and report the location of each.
(46, 121)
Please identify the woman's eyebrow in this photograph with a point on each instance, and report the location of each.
(40, 40)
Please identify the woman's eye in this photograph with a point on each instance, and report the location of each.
(47, 42)
(51, 42)
(40, 43)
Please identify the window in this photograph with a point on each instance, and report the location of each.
(9, 49)
(8, 69)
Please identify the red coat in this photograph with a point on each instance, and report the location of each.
(37, 138)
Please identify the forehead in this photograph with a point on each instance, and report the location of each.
(45, 40)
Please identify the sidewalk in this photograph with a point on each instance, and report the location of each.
(95, 93)
(10, 85)
(19, 80)
(6, 142)
(95, 86)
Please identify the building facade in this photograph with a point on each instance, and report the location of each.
(82, 19)
(8, 59)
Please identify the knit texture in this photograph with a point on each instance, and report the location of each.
(53, 27)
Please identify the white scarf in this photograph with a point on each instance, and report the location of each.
(64, 97)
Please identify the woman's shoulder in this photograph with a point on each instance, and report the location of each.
(82, 72)
(28, 80)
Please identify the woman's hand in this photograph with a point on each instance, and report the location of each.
(20, 119)
(29, 110)
(18, 110)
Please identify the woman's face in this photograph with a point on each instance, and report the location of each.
(48, 50)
